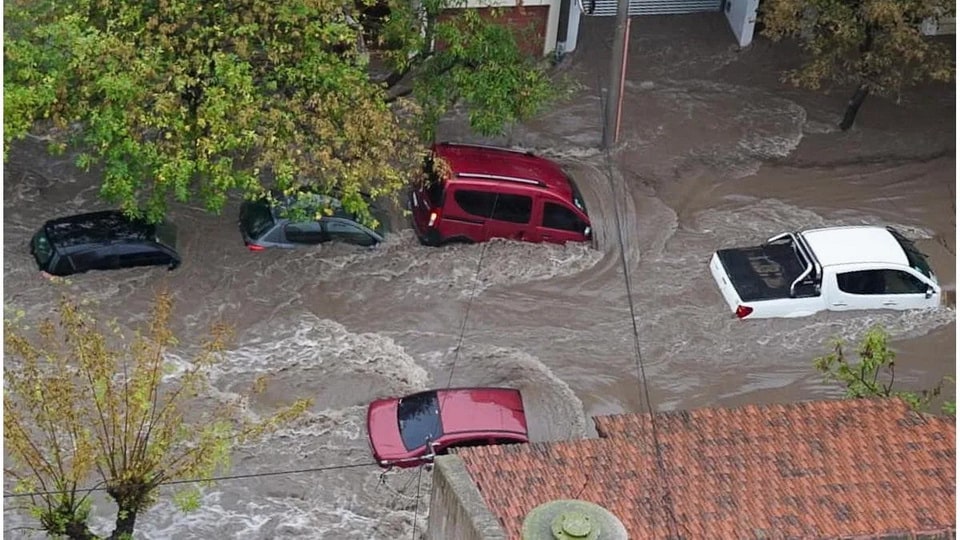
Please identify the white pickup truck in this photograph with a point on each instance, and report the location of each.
(836, 268)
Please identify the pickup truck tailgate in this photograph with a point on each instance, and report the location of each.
(723, 281)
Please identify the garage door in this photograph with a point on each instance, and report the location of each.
(652, 7)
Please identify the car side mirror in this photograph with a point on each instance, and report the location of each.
(929, 293)
(587, 231)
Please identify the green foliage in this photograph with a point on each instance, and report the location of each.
(873, 375)
(875, 46)
(82, 404)
(190, 100)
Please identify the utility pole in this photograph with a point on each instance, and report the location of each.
(618, 68)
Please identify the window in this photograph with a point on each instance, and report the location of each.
(143, 256)
(880, 282)
(307, 232)
(342, 231)
(256, 219)
(434, 184)
(862, 282)
(499, 206)
(900, 282)
(103, 258)
(419, 418)
(63, 266)
(916, 259)
(556, 216)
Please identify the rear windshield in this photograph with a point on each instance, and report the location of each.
(167, 234)
(434, 184)
(41, 248)
(257, 219)
(419, 417)
(917, 260)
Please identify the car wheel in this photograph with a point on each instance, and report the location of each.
(432, 238)
(458, 240)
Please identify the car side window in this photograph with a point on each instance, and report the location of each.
(478, 203)
(900, 282)
(342, 231)
(143, 256)
(862, 282)
(307, 232)
(96, 259)
(560, 217)
(499, 206)
(513, 208)
(63, 266)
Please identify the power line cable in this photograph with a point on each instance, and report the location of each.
(202, 480)
(416, 509)
(643, 389)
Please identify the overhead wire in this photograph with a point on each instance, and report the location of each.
(643, 388)
(416, 508)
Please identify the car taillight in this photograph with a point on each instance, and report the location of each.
(743, 311)
(254, 247)
(434, 216)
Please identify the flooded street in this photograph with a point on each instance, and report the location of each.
(714, 153)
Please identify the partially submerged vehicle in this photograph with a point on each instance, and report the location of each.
(835, 268)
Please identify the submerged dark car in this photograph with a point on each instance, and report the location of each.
(263, 225)
(103, 241)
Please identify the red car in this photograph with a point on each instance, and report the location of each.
(475, 193)
(410, 431)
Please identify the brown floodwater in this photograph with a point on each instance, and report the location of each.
(714, 152)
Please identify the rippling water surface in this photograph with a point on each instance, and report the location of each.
(713, 155)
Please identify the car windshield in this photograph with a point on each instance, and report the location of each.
(42, 250)
(419, 417)
(917, 260)
(577, 198)
(256, 219)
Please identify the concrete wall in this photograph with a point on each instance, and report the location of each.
(457, 509)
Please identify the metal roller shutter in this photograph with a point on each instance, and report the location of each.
(608, 8)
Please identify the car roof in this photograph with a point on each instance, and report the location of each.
(493, 164)
(855, 244)
(97, 228)
(466, 410)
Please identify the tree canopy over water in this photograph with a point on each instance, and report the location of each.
(874, 46)
(188, 100)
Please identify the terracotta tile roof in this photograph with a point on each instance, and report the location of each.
(826, 469)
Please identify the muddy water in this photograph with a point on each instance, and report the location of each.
(714, 153)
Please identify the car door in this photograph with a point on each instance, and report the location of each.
(878, 288)
(559, 223)
(510, 217)
(133, 256)
(348, 232)
(303, 233)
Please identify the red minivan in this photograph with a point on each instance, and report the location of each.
(486, 192)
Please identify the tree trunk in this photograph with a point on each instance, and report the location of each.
(126, 519)
(853, 107)
(78, 530)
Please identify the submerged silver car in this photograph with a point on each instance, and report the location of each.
(263, 225)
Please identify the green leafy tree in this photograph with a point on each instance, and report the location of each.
(874, 46)
(82, 404)
(191, 99)
(873, 375)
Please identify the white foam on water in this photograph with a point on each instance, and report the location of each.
(553, 410)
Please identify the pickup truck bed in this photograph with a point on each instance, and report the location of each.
(762, 272)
